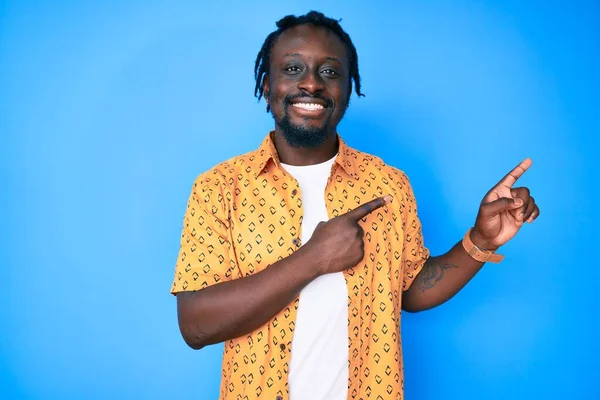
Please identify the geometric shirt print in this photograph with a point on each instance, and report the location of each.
(246, 213)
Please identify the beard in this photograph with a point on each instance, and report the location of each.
(301, 135)
(304, 136)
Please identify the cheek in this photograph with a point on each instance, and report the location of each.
(341, 96)
(275, 95)
(277, 103)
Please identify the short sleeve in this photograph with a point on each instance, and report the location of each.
(205, 254)
(414, 252)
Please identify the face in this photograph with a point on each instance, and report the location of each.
(308, 84)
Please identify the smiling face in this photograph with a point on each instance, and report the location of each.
(308, 84)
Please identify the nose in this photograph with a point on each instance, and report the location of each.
(311, 83)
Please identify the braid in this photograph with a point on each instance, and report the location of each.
(261, 66)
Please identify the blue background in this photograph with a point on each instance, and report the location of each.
(109, 110)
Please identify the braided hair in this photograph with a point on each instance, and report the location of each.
(261, 66)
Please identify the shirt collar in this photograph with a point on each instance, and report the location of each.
(346, 158)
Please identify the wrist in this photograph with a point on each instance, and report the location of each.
(312, 259)
(481, 243)
(480, 254)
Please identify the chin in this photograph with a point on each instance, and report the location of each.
(304, 132)
(303, 136)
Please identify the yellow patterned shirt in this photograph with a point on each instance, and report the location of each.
(246, 213)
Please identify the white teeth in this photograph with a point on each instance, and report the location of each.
(308, 106)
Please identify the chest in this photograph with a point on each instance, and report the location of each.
(268, 217)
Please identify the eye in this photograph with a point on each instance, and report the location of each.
(329, 72)
(292, 68)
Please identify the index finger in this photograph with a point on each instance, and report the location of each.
(367, 208)
(510, 178)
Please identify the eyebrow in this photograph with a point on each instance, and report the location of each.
(300, 55)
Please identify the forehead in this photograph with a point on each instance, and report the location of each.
(311, 42)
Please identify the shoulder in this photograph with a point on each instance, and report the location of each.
(377, 168)
(224, 174)
(390, 180)
(214, 189)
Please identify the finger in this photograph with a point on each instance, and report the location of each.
(523, 213)
(510, 178)
(534, 214)
(495, 207)
(523, 194)
(367, 208)
(529, 210)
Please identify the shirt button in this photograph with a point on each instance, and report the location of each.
(278, 398)
(296, 241)
(294, 192)
(282, 346)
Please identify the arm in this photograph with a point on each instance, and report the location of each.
(502, 213)
(231, 309)
(440, 279)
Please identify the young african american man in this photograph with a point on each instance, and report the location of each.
(300, 255)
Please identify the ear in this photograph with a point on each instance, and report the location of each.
(266, 85)
(266, 91)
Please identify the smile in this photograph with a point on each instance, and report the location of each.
(308, 106)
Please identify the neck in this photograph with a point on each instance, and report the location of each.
(305, 156)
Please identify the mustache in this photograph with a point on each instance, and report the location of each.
(288, 99)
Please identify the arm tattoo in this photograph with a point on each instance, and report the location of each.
(432, 273)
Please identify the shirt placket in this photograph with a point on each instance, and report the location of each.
(337, 205)
(283, 324)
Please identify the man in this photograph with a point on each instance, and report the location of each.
(300, 255)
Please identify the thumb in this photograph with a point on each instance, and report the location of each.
(503, 204)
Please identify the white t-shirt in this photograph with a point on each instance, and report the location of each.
(319, 355)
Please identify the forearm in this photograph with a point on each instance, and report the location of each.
(232, 309)
(440, 279)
